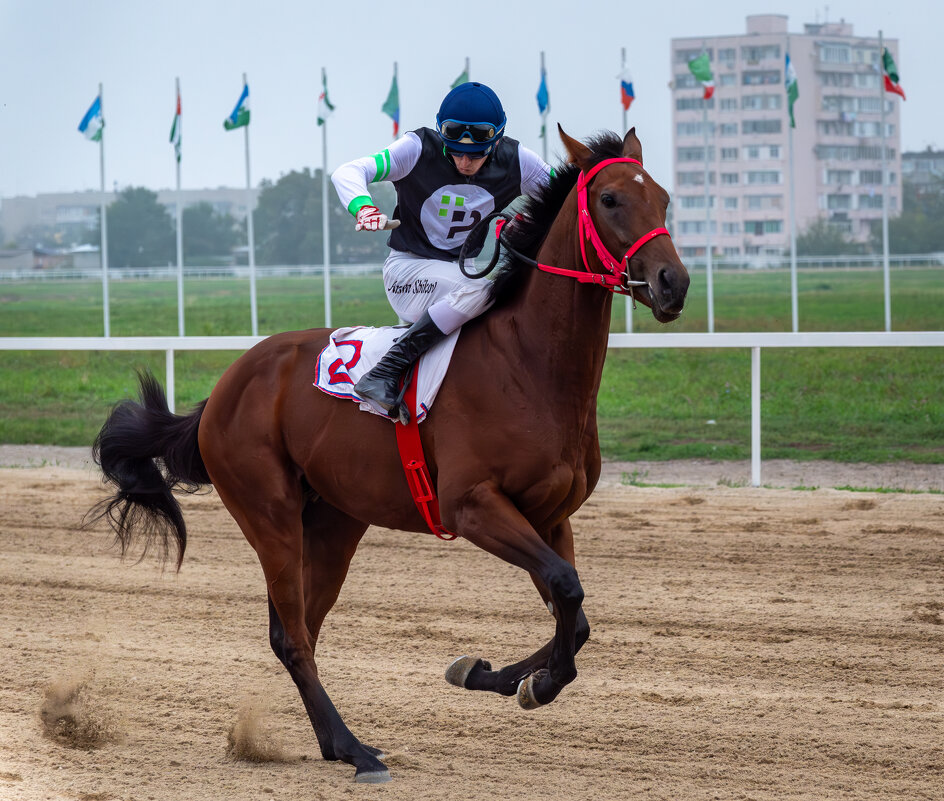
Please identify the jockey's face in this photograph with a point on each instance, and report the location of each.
(468, 165)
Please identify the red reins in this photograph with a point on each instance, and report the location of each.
(616, 279)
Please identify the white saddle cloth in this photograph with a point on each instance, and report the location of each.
(351, 352)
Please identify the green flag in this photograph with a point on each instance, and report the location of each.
(463, 78)
(391, 106)
(793, 91)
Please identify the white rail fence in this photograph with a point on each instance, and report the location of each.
(748, 341)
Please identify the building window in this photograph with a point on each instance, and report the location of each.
(852, 152)
(732, 251)
(695, 227)
(694, 178)
(730, 228)
(761, 227)
(764, 202)
(685, 80)
(695, 201)
(727, 55)
(832, 53)
(763, 176)
(760, 126)
(870, 201)
(727, 79)
(729, 178)
(684, 56)
(729, 154)
(693, 129)
(729, 104)
(753, 152)
(841, 79)
(760, 78)
(729, 129)
(760, 102)
(752, 55)
(730, 203)
(866, 80)
(839, 177)
(695, 154)
(693, 104)
(838, 202)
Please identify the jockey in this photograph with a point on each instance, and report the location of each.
(446, 181)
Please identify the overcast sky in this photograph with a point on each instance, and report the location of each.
(54, 53)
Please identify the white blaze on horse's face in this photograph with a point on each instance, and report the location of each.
(639, 179)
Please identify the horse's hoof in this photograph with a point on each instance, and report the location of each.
(372, 777)
(525, 694)
(459, 670)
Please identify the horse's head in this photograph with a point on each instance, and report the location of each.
(626, 206)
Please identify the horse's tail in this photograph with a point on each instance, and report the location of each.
(146, 452)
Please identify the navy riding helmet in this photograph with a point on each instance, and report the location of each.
(471, 120)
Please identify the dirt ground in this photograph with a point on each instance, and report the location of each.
(746, 644)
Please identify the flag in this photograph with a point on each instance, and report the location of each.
(544, 100)
(890, 72)
(793, 91)
(391, 106)
(701, 68)
(92, 123)
(325, 107)
(627, 95)
(175, 130)
(240, 115)
(463, 78)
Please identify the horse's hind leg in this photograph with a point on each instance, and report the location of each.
(477, 674)
(305, 555)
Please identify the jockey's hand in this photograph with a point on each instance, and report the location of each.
(370, 218)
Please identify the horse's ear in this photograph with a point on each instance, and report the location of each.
(632, 147)
(579, 153)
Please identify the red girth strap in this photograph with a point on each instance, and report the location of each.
(414, 465)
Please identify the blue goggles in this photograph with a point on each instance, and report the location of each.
(480, 133)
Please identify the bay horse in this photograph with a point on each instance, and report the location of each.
(511, 443)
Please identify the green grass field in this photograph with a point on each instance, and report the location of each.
(840, 403)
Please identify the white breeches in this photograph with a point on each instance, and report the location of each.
(415, 285)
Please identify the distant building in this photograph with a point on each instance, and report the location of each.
(836, 143)
(924, 170)
(80, 210)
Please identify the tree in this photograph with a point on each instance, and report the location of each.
(820, 238)
(288, 223)
(918, 228)
(207, 233)
(140, 231)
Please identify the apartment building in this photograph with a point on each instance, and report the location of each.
(837, 156)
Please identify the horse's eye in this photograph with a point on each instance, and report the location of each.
(608, 201)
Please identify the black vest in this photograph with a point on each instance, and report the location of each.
(437, 206)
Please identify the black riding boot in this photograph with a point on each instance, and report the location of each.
(381, 383)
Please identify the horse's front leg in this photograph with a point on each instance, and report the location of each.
(477, 674)
(487, 518)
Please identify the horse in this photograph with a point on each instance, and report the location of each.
(511, 443)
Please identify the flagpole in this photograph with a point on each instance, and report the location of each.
(794, 301)
(325, 227)
(543, 117)
(254, 313)
(468, 74)
(629, 298)
(886, 278)
(104, 216)
(708, 276)
(180, 237)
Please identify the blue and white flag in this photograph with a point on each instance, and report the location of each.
(92, 123)
(544, 100)
(240, 115)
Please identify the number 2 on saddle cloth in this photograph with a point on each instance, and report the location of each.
(414, 463)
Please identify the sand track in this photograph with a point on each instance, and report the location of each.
(747, 643)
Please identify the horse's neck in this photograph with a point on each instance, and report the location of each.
(561, 326)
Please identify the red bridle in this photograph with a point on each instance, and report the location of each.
(616, 280)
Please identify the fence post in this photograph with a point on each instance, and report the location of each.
(169, 373)
(755, 416)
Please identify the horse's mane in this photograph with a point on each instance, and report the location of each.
(538, 213)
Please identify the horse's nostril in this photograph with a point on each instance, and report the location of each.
(665, 281)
